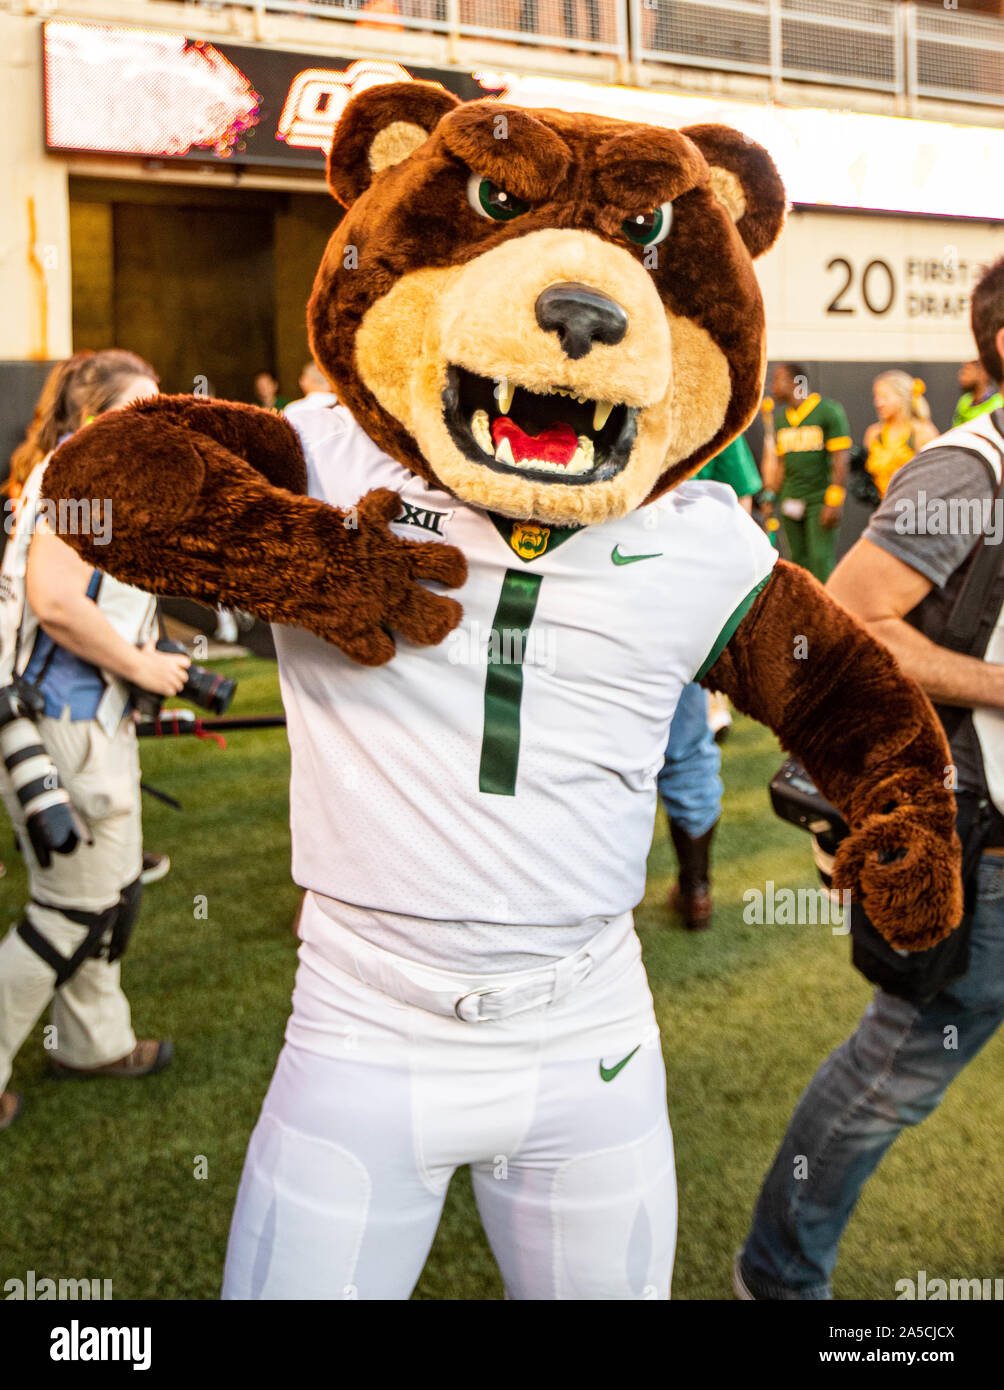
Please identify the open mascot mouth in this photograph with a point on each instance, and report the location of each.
(553, 436)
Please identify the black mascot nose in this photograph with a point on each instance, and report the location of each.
(581, 317)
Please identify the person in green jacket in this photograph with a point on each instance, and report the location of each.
(736, 467)
(979, 396)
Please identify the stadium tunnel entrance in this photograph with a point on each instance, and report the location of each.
(209, 285)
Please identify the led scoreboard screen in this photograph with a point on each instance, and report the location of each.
(110, 89)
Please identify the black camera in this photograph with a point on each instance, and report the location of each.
(48, 815)
(796, 798)
(203, 688)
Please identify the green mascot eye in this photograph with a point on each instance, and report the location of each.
(488, 200)
(649, 228)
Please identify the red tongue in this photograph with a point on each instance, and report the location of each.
(555, 445)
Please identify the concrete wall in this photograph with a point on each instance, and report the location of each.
(34, 237)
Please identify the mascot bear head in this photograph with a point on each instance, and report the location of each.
(554, 317)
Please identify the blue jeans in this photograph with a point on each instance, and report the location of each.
(892, 1072)
(689, 784)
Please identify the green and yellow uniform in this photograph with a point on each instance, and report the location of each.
(808, 435)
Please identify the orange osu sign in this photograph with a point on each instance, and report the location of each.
(318, 96)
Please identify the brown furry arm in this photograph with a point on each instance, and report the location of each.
(263, 438)
(870, 740)
(202, 505)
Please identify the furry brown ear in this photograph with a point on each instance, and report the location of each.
(380, 127)
(745, 182)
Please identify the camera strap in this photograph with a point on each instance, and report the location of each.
(984, 566)
(159, 795)
(968, 612)
(96, 924)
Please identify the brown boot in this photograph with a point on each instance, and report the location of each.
(10, 1108)
(147, 1057)
(690, 896)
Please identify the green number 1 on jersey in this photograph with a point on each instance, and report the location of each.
(504, 682)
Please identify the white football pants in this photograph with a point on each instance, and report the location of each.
(560, 1111)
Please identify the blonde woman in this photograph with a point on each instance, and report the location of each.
(78, 639)
(903, 426)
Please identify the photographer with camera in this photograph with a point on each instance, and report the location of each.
(73, 641)
(927, 579)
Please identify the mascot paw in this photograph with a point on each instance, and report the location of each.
(905, 875)
(389, 594)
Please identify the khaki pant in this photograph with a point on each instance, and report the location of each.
(90, 1014)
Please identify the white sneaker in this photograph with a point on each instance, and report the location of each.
(739, 1286)
(719, 716)
(226, 626)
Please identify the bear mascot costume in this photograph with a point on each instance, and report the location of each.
(538, 326)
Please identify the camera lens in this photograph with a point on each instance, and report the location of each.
(44, 802)
(209, 690)
(204, 688)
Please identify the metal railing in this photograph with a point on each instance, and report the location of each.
(878, 45)
(590, 26)
(950, 54)
(855, 43)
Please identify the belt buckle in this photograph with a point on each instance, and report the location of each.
(474, 994)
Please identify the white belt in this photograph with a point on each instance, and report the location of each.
(472, 999)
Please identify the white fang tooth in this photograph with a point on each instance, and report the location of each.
(504, 454)
(601, 414)
(504, 393)
(481, 432)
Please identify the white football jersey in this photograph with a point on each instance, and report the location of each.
(507, 775)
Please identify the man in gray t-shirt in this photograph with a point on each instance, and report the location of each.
(932, 516)
(941, 472)
(901, 580)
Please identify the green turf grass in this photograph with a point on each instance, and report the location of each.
(98, 1179)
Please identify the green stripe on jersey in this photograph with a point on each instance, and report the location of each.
(728, 631)
(504, 682)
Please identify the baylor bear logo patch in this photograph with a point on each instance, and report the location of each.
(529, 540)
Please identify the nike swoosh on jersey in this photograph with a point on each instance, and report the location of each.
(608, 1073)
(620, 559)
